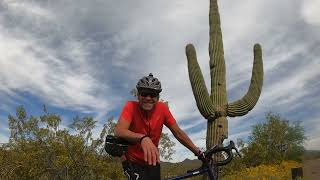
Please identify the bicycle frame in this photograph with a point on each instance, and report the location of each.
(197, 172)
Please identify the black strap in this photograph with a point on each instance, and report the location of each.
(143, 138)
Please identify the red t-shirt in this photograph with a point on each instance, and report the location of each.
(145, 122)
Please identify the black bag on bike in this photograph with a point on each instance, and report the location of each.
(115, 147)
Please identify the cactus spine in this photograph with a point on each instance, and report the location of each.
(215, 107)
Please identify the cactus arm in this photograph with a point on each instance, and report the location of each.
(215, 43)
(249, 100)
(205, 106)
(216, 53)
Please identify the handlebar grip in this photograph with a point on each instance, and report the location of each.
(226, 161)
(227, 149)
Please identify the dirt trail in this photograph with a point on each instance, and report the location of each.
(311, 169)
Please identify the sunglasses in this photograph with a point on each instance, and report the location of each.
(151, 94)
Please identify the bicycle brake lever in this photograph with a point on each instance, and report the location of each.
(238, 153)
(233, 146)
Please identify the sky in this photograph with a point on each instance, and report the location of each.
(84, 57)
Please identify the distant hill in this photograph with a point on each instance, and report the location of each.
(311, 154)
(186, 162)
(172, 169)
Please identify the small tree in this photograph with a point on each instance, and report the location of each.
(39, 149)
(166, 147)
(274, 141)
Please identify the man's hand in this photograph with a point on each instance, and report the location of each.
(151, 152)
(201, 156)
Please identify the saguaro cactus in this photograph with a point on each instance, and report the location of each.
(215, 108)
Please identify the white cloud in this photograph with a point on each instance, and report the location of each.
(311, 126)
(24, 71)
(4, 138)
(58, 75)
(277, 95)
(310, 12)
(28, 8)
(313, 143)
(4, 131)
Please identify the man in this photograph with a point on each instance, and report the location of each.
(141, 123)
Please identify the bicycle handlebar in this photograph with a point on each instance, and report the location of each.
(208, 154)
(216, 149)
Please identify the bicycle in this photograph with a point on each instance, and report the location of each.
(117, 147)
(210, 166)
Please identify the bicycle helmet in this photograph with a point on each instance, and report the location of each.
(149, 82)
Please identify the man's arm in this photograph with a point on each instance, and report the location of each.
(151, 152)
(183, 138)
(122, 130)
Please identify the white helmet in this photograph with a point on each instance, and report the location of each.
(149, 82)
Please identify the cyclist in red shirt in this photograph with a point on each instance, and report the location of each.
(141, 123)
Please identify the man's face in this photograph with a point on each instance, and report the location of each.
(147, 99)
